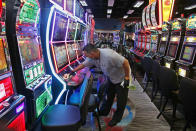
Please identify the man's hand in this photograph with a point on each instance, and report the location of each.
(126, 83)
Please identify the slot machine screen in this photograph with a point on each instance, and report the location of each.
(29, 12)
(60, 55)
(83, 29)
(188, 53)
(71, 51)
(164, 27)
(191, 22)
(148, 46)
(69, 5)
(80, 48)
(3, 63)
(59, 2)
(176, 25)
(71, 30)
(78, 34)
(162, 48)
(143, 45)
(81, 13)
(172, 50)
(6, 89)
(77, 9)
(30, 50)
(60, 28)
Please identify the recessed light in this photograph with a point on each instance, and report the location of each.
(138, 4)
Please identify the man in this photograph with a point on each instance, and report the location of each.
(116, 68)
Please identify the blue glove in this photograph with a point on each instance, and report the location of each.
(126, 83)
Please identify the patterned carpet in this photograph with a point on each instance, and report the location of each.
(140, 115)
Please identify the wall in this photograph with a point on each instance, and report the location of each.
(107, 24)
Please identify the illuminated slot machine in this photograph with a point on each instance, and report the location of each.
(26, 54)
(186, 64)
(148, 47)
(155, 37)
(175, 43)
(143, 46)
(137, 43)
(80, 40)
(12, 105)
(59, 33)
(164, 41)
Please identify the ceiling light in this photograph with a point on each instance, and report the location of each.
(109, 11)
(108, 16)
(110, 3)
(83, 3)
(138, 4)
(125, 17)
(89, 11)
(130, 12)
(190, 7)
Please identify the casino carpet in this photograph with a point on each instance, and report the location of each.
(140, 115)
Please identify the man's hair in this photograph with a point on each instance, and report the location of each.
(90, 48)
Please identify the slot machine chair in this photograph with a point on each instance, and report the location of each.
(169, 90)
(147, 67)
(188, 96)
(69, 117)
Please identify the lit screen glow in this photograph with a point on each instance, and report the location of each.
(69, 5)
(60, 55)
(191, 22)
(71, 30)
(60, 28)
(176, 25)
(3, 63)
(30, 50)
(188, 53)
(6, 89)
(72, 53)
(172, 50)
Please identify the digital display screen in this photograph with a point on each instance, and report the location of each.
(60, 28)
(71, 51)
(81, 13)
(144, 17)
(78, 34)
(191, 22)
(153, 15)
(69, 5)
(188, 53)
(30, 50)
(148, 46)
(162, 48)
(172, 50)
(6, 89)
(164, 27)
(77, 9)
(80, 48)
(60, 55)
(176, 25)
(3, 63)
(2, 17)
(28, 13)
(59, 2)
(83, 29)
(71, 30)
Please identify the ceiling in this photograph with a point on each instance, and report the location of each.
(121, 7)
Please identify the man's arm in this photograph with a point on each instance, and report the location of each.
(79, 67)
(126, 69)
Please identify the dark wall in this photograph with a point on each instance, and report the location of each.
(107, 24)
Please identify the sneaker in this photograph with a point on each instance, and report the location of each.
(112, 123)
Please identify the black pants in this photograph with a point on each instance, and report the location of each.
(122, 94)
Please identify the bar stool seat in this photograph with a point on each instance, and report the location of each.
(61, 117)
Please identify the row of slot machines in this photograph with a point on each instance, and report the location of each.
(38, 43)
(175, 46)
(146, 43)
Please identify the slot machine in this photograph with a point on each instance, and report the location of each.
(148, 47)
(26, 54)
(12, 105)
(62, 36)
(175, 43)
(164, 41)
(155, 37)
(186, 64)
